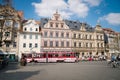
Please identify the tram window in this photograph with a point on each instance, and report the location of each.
(44, 55)
(63, 55)
(50, 55)
(55, 55)
(67, 55)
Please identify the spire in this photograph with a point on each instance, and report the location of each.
(56, 11)
(98, 22)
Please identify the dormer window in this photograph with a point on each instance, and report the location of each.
(75, 26)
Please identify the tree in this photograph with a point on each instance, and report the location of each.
(9, 22)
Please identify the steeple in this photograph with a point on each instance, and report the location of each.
(56, 16)
(98, 26)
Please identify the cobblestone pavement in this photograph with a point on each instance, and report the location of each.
(60, 71)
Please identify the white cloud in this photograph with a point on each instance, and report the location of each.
(78, 7)
(68, 8)
(112, 18)
(93, 2)
(47, 7)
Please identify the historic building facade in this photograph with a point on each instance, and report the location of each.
(10, 21)
(29, 40)
(111, 41)
(60, 35)
(88, 41)
(56, 35)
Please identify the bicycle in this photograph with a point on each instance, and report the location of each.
(114, 64)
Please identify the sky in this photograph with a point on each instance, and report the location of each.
(104, 12)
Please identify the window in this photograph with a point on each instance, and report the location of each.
(51, 34)
(56, 24)
(30, 29)
(24, 36)
(74, 35)
(51, 24)
(79, 44)
(45, 43)
(14, 44)
(7, 34)
(36, 45)
(79, 35)
(8, 23)
(86, 36)
(90, 44)
(67, 35)
(62, 35)
(90, 36)
(56, 44)
(62, 25)
(7, 44)
(68, 44)
(36, 29)
(36, 36)
(62, 44)
(15, 34)
(0, 34)
(97, 37)
(30, 36)
(98, 45)
(101, 37)
(30, 45)
(45, 34)
(86, 44)
(24, 45)
(101, 44)
(56, 34)
(16, 24)
(25, 29)
(51, 43)
(74, 44)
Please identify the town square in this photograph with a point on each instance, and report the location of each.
(59, 40)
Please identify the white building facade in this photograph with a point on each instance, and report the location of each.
(29, 38)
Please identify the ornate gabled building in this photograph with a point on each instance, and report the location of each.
(56, 35)
(60, 35)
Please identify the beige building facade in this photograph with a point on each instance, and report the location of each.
(9, 25)
(60, 35)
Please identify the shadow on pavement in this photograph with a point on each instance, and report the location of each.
(10, 66)
(18, 75)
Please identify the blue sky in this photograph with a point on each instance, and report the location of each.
(106, 12)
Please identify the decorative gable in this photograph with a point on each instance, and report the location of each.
(82, 28)
(98, 28)
(56, 22)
